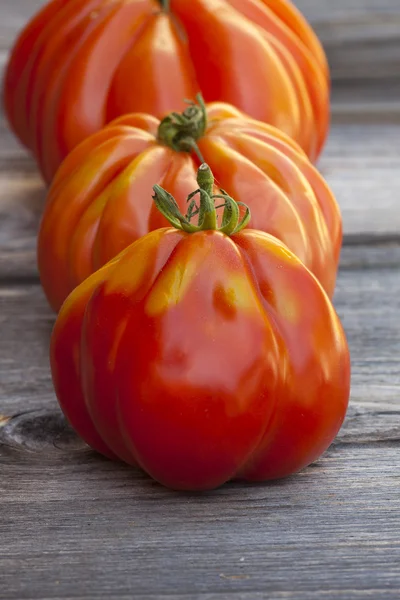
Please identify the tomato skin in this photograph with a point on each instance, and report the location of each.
(79, 64)
(101, 198)
(203, 358)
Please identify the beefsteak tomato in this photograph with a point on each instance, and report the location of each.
(81, 63)
(203, 353)
(100, 200)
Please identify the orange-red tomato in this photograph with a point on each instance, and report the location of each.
(201, 358)
(100, 200)
(81, 63)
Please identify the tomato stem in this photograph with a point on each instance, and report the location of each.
(180, 131)
(232, 222)
(165, 5)
(207, 211)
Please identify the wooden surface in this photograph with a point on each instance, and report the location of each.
(75, 526)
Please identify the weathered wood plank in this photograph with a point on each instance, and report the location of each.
(75, 526)
(25, 324)
(361, 37)
(357, 101)
(361, 162)
(22, 195)
(366, 299)
(381, 255)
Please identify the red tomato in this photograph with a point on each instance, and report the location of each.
(203, 356)
(81, 63)
(100, 200)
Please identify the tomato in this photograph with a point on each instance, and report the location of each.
(100, 200)
(203, 353)
(81, 63)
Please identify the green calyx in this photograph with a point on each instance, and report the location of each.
(232, 222)
(180, 131)
(165, 5)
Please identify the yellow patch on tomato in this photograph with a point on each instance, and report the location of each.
(274, 246)
(289, 306)
(236, 294)
(170, 287)
(133, 264)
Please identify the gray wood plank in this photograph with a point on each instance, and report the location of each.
(381, 255)
(366, 299)
(75, 526)
(358, 100)
(361, 37)
(25, 325)
(22, 196)
(361, 162)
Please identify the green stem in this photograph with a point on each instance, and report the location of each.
(181, 131)
(207, 211)
(232, 222)
(205, 179)
(165, 5)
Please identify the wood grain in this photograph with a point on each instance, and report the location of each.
(361, 37)
(74, 525)
(361, 160)
(366, 299)
(382, 254)
(361, 163)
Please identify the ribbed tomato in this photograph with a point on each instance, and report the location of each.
(81, 63)
(100, 200)
(203, 355)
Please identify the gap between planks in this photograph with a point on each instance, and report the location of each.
(361, 163)
(366, 300)
(75, 525)
(361, 37)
